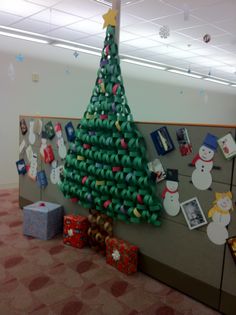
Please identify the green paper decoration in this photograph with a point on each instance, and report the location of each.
(106, 168)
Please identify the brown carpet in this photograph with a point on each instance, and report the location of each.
(48, 278)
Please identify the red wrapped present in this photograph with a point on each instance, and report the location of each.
(75, 230)
(122, 255)
(99, 231)
(48, 154)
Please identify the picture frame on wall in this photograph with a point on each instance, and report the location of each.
(193, 213)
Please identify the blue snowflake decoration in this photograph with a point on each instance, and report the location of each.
(20, 58)
(76, 54)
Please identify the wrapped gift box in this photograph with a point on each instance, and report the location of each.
(42, 220)
(122, 255)
(75, 230)
(99, 231)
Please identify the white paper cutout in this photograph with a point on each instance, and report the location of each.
(60, 142)
(171, 198)
(32, 173)
(55, 173)
(42, 147)
(29, 153)
(32, 137)
(156, 167)
(22, 146)
(38, 124)
(116, 255)
(220, 214)
(11, 72)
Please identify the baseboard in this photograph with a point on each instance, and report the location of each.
(9, 186)
(190, 286)
(228, 304)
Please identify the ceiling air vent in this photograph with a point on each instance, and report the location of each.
(123, 2)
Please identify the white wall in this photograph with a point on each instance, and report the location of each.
(153, 95)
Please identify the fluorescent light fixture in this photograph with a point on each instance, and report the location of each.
(76, 48)
(25, 37)
(216, 81)
(188, 74)
(233, 85)
(145, 64)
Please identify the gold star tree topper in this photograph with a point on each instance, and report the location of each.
(110, 18)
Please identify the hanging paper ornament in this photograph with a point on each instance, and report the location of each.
(11, 72)
(55, 173)
(164, 31)
(206, 38)
(49, 130)
(38, 126)
(42, 179)
(21, 167)
(48, 154)
(76, 54)
(32, 136)
(70, 131)
(170, 194)
(23, 126)
(43, 145)
(60, 141)
(32, 173)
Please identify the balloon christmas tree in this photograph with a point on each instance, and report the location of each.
(105, 167)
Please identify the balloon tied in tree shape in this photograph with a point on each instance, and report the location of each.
(106, 165)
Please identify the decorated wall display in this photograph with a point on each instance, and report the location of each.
(162, 141)
(185, 146)
(23, 127)
(70, 131)
(49, 130)
(106, 167)
(231, 242)
(32, 172)
(38, 124)
(157, 171)
(60, 141)
(170, 194)
(32, 136)
(193, 213)
(203, 162)
(42, 179)
(220, 215)
(122, 255)
(227, 145)
(21, 167)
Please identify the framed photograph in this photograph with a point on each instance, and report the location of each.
(193, 213)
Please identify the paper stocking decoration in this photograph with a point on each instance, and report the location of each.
(60, 141)
(203, 162)
(170, 194)
(43, 145)
(32, 173)
(220, 214)
(32, 137)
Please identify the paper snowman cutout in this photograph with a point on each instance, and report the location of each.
(170, 194)
(203, 162)
(32, 173)
(32, 136)
(60, 141)
(29, 153)
(220, 214)
(55, 173)
(43, 145)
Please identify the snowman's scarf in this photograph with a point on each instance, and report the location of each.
(216, 208)
(197, 157)
(167, 190)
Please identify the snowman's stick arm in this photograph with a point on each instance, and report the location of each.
(215, 167)
(190, 164)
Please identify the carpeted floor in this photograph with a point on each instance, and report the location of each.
(47, 278)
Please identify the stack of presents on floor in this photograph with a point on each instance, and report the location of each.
(44, 220)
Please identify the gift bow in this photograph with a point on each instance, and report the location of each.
(116, 255)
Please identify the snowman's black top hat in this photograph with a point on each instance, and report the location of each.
(172, 175)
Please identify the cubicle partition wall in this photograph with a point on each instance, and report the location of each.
(182, 258)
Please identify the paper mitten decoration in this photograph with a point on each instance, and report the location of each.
(38, 127)
(48, 154)
(60, 141)
(203, 162)
(49, 129)
(55, 173)
(32, 136)
(43, 145)
(23, 127)
(42, 179)
(220, 214)
(32, 173)
(170, 194)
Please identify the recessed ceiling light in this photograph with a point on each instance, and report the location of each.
(188, 74)
(76, 48)
(144, 64)
(216, 81)
(123, 2)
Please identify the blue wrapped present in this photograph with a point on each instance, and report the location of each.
(42, 220)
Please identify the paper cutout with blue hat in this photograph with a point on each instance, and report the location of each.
(203, 162)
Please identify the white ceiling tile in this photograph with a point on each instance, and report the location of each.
(181, 54)
(125, 48)
(187, 44)
(205, 61)
(142, 29)
(151, 9)
(228, 25)
(163, 49)
(7, 19)
(229, 48)
(191, 4)
(34, 26)
(56, 17)
(83, 8)
(87, 26)
(198, 32)
(209, 51)
(217, 11)
(19, 7)
(223, 40)
(142, 42)
(67, 34)
(177, 21)
(228, 69)
(173, 38)
(91, 41)
(125, 36)
(45, 3)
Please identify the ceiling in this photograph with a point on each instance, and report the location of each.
(188, 21)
